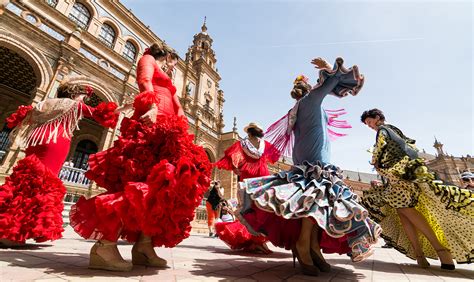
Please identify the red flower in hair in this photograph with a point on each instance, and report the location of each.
(89, 90)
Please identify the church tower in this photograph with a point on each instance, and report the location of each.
(203, 98)
(439, 148)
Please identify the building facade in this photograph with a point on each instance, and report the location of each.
(98, 43)
(447, 167)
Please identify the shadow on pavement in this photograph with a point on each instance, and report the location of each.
(407, 268)
(66, 264)
(265, 270)
(228, 251)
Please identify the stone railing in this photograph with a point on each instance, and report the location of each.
(76, 176)
(201, 214)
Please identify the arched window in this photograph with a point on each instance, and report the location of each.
(80, 15)
(4, 142)
(129, 51)
(107, 35)
(52, 3)
(81, 155)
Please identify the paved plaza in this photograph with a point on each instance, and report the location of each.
(200, 258)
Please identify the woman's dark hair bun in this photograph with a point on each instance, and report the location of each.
(68, 90)
(158, 50)
(300, 89)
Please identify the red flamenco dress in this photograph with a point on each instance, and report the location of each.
(31, 200)
(155, 176)
(251, 162)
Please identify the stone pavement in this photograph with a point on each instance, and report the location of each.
(200, 258)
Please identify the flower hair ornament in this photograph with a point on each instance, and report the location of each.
(89, 91)
(301, 77)
(147, 51)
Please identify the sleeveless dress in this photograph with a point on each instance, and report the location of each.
(155, 176)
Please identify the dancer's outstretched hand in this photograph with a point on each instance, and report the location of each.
(124, 108)
(149, 117)
(320, 63)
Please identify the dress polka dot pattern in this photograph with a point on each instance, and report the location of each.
(448, 209)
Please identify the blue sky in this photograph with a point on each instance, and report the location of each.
(416, 57)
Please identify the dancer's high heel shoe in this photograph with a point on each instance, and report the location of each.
(139, 258)
(447, 266)
(307, 269)
(116, 264)
(5, 243)
(319, 262)
(422, 262)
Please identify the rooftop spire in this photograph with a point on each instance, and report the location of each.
(204, 27)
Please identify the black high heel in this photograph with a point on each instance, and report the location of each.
(446, 265)
(320, 263)
(307, 269)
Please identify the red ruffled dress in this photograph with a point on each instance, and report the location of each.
(155, 175)
(250, 164)
(31, 200)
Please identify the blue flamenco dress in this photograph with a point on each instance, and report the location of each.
(274, 205)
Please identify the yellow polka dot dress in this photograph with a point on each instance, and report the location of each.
(448, 209)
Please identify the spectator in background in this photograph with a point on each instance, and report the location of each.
(227, 214)
(467, 178)
(69, 163)
(214, 198)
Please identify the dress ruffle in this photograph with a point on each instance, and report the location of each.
(105, 114)
(18, 116)
(155, 178)
(316, 192)
(350, 80)
(448, 209)
(143, 101)
(236, 236)
(234, 157)
(31, 203)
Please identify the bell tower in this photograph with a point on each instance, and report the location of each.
(439, 148)
(203, 98)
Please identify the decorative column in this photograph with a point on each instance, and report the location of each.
(220, 110)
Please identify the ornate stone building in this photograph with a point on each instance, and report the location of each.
(447, 167)
(98, 43)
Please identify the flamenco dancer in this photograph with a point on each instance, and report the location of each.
(154, 175)
(412, 203)
(31, 200)
(248, 158)
(295, 208)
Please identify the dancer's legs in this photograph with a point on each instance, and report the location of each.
(422, 225)
(105, 255)
(410, 231)
(304, 241)
(412, 234)
(211, 216)
(143, 253)
(315, 241)
(144, 245)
